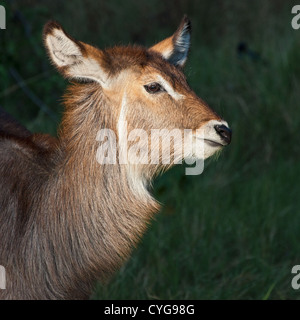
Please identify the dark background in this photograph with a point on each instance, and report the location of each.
(234, 231)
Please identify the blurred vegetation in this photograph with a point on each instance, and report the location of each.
(233, 232)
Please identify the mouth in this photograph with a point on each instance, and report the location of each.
(213, 143)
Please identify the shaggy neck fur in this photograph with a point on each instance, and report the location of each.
(103, 216)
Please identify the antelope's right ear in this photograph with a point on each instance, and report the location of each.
(175, 48)
(74, 59)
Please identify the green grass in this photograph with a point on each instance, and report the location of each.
(232, 232)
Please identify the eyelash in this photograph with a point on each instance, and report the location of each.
(153, 88)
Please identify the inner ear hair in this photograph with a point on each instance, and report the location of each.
(181, 42)
(62, 49)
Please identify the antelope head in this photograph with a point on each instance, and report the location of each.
(146, 90)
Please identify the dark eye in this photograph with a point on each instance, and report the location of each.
(153, 87)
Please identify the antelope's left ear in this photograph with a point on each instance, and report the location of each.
(175, 48)
(73, 59)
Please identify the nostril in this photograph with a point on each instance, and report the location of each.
(224, 132)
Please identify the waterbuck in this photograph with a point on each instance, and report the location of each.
(69, 214)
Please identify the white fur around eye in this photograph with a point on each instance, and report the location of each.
(166, 85)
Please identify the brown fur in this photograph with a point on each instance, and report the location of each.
(66, 220)
(55, 239)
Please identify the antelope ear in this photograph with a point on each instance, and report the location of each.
(74, 59)
(175, 48)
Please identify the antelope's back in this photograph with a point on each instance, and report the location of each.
(9, 126)
(25, 162)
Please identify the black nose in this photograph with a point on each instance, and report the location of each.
(224, 132)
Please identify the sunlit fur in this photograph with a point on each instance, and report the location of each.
(66, 220)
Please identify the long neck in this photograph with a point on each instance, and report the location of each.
(103, 215)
